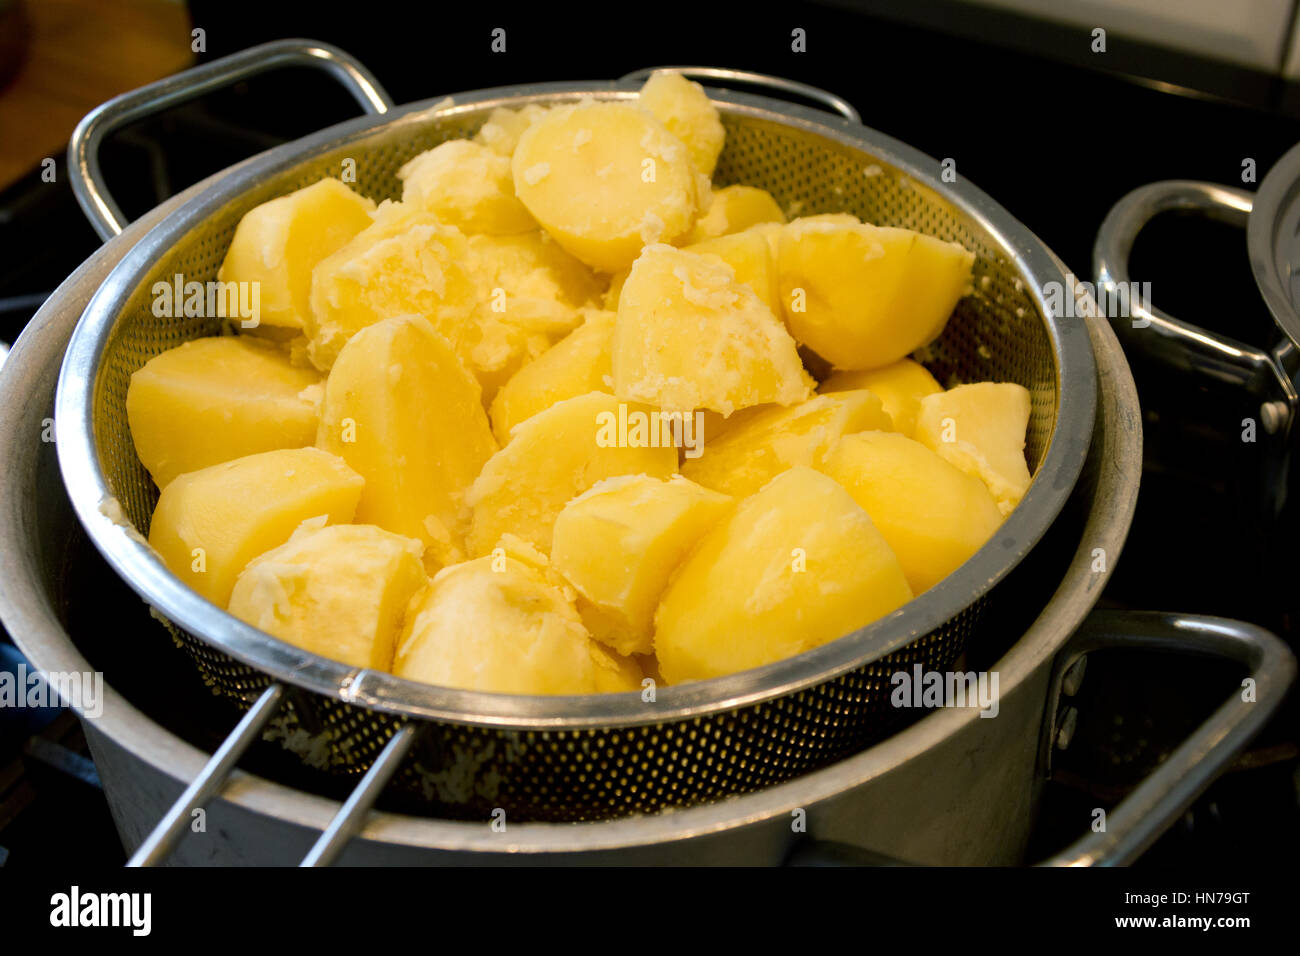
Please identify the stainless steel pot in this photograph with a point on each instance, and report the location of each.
(952, 788)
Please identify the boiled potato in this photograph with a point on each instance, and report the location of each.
(495, 624)
(617, 544)
(504, 126)
(749, 256)
(555, 455)
(279, 243)
(406, 262)
(216, 399)
(733, 209)
(208, 524)
(576, 365)
(900, 388)
(689, 335)
(530, 281)
(932, 515)
(465, 185)
(865, 296)
(796, 565)
(401, 410)
(980, 428)
(338, 591)
(683, 106)
(605, 179)
(751, 454)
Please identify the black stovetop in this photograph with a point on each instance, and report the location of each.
(1056, 141)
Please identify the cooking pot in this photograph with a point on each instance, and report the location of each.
(953, 787)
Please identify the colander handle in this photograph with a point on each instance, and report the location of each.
(83, 149)
(1185, 774)
(1173, 341)
(836, 104)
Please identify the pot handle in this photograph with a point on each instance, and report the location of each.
(1179, 343)
(836, 104)
(1153, 805)
(83, 149)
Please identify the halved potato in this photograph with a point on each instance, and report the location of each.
(215, 399)
(683, 106)
(494, 624)
(401, 409)
(980, 428)
(750, 454)
(900, 388)
(797, 565)
(210, 523)
(576, 365)
(605, 179)
(932, 515)
(406, 262)
(617, 544)
(339, 591)
(690, 335)
(279, 243)
(735, 208)
(466, 185)
(555, 455)
(865, 296)
(749, 255)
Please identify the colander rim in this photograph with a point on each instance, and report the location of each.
(142, 570)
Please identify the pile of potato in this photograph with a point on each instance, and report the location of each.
(406, 465)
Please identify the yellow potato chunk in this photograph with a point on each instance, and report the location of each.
(557, 454)
(405, 262)
(216, 399)
(866, 296)
(932, 515)
(749, 455)
(689, 335)
(749, 256)
(339, 591)
(576, 365)
(402, 411)
(735, 208)
(618, 543)
(279, 243)
(683, 106)
(796, 565)
(980, 428)
(900, 388)
(209, 524)
(495, 624)
(529, 281)
(466, 185)
(504, 126)
(605, 179)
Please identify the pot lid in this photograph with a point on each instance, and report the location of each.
(1273, 241)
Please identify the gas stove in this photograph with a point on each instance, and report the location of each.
(1057, 141)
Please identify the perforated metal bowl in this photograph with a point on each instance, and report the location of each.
(596, 756)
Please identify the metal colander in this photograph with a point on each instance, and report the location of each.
(592, 757)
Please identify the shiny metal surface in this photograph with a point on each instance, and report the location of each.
(1159, 800)
(588, 757)
(1180, 344)
(83, 148)
(1273, 240)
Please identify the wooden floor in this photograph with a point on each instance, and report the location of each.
(80, 53)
